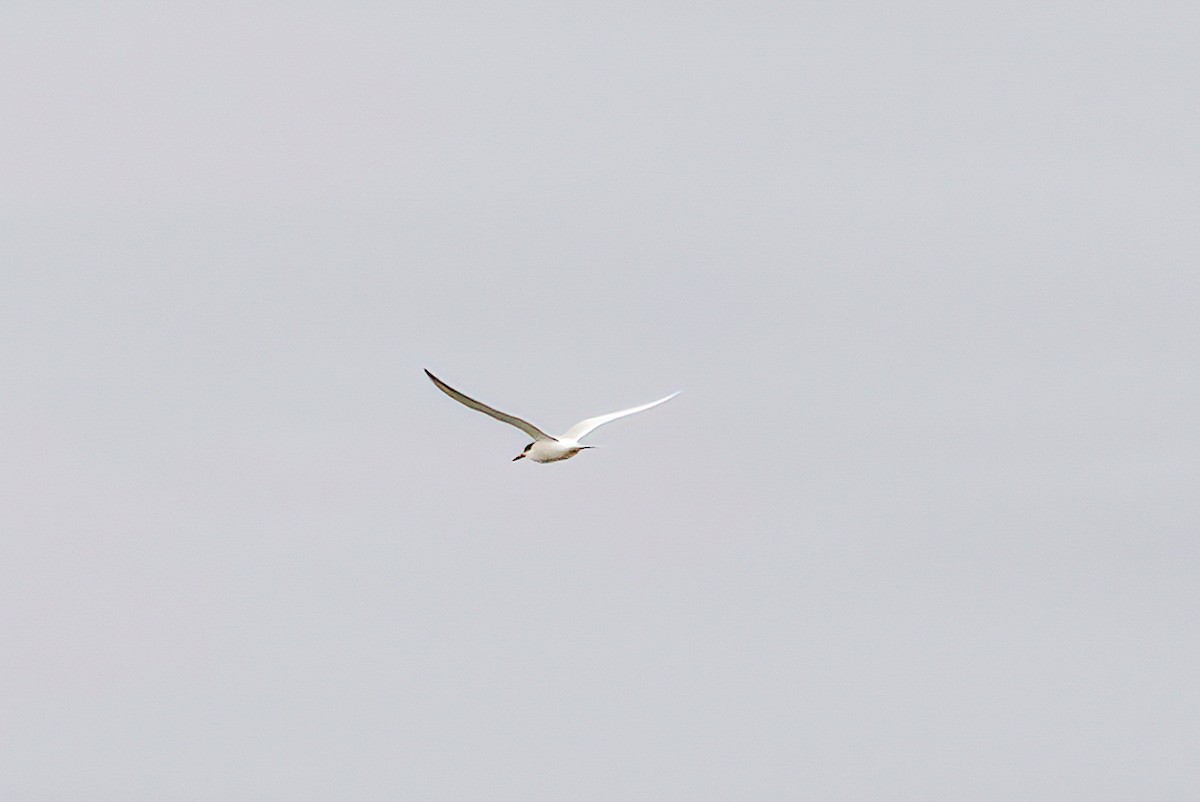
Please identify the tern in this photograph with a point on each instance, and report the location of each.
(545, 448)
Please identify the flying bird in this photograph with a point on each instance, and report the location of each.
(545, 448)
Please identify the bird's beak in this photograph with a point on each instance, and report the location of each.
(519, 456)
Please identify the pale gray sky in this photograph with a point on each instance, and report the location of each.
(923, 524)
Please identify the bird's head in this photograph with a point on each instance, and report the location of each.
(524, 453)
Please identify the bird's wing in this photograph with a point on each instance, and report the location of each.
(525, 426)
(584, 426)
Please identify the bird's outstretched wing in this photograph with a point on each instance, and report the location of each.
(584, 426)
(525, 426)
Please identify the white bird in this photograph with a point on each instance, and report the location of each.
(544, 447)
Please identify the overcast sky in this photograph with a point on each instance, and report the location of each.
(922, 525)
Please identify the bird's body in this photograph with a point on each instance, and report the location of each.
(545, 447)
(552, 450)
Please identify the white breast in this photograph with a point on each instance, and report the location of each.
(552, 451)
